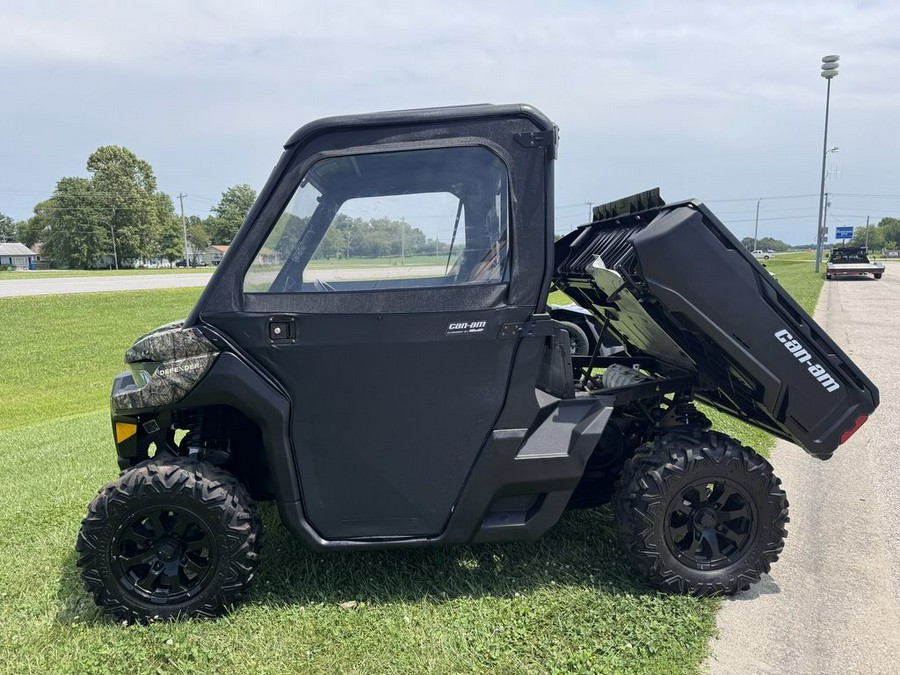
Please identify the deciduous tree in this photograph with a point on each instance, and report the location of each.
(125, 189)
(8, 230)
(229, 214)
(76, 226)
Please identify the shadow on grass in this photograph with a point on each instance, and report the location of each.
(580, 551)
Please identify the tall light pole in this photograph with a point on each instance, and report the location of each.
(829, 71)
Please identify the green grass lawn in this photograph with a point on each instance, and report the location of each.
(566, 603)
(59, 353)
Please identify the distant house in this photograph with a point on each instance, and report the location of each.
(17, 256)
(216, 253)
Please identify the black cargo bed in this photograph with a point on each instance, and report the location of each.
(677, 286)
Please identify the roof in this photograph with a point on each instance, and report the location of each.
(422, 115)
(223, 249)
(15, 249)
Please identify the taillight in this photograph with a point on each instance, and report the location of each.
(856, 425)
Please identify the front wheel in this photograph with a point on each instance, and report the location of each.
(169, 539)
(700, 513)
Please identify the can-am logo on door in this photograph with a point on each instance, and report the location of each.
(804, 357)
(466, 327)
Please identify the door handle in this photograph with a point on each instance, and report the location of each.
(282, 329)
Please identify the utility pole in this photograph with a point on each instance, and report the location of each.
(112, 233)
(756, 227)
(184, 229)
(867, 234)
(402, 241)
(824, 227)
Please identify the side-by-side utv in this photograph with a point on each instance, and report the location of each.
(376, 354)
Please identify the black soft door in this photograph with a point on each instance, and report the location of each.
(373, 281)
(396, 266)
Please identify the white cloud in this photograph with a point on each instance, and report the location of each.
(705, 98)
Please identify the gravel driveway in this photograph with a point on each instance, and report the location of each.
(832, 602)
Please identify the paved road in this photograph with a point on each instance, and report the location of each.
(832, 603)
(97, 284)
(136, 282)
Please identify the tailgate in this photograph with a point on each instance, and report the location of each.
(677, 286)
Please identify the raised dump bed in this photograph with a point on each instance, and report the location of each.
(672, 283)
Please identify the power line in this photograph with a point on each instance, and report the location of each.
(751, 220)
(753, 199)
(857, 194)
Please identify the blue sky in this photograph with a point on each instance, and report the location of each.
(719, 100)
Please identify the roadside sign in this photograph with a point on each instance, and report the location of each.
(843, 232)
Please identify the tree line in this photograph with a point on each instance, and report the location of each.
(118, 213)
(349, 237)
(883, 236)
(766, 244)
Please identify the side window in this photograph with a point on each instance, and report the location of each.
(414, 219)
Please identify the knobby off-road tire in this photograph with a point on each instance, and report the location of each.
(700, 513)
(169, 539)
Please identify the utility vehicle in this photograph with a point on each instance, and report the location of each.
(434, 398)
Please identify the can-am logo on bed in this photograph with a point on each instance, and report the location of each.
(804, 357)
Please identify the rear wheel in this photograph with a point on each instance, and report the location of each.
(877, 276)
(169, 539)
(578, 339)
(700, 513)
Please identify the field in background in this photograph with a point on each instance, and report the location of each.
(568, 602)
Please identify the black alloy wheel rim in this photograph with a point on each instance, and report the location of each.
(575, 346)
(710, 524)
(163, 555)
